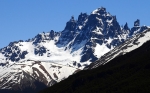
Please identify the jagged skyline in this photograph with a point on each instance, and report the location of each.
(49, 55)
(19, 18)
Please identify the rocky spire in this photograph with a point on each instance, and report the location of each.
(137, 22)
(126, 26)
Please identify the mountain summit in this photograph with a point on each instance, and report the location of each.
(126, 73)
(52, 56)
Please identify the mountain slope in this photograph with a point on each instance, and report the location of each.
(33, 74)
(52, 56)
(129, 45)
(128, 73)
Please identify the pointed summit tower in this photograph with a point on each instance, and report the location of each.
(137, 22)
(126, 26)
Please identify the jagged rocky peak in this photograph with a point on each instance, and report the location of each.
(68, 33)
(137, 22)
(99, 17)
(52, 34)
(101, 10)
(71, 24)
(72, 19)
(81, 42)
(137, 28)
(82, 16)
(103, 19)
(126, 26)
(82, 19)
(13, 52)
(42, 37)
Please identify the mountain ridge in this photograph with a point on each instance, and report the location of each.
(56, 55)
(128, 73)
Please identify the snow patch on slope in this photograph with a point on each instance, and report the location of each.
(101, 49)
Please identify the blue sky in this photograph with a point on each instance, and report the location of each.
(23, 19)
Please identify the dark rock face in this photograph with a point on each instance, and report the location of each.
(13, 53)
(133, 30)
(123, 49)
(86, 33)
(43, 36)
(26, 87)
(117, 76)
(38, 39)
(71, 25)
(137, 22)
(143, 28)
(40, 51)
(22, 55)
(3, 64)
(102, 10)
(52, 34)
(126, 27)
(88, 54)
(100, 26)
(68, 33)
(137, 29)
(96, 28)
(82, 18)
(88, 30)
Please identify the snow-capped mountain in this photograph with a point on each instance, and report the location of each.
(128, 73)
(130, 44)
(52, 56)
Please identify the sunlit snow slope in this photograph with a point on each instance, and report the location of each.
(52, 56)
(131, 44)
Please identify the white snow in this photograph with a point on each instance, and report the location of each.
(101, 50)
(80, 27)
(128, 46)
(109, 21)
(100, 20)
(58, 56)
(109, 41)
(140, 41)
(98, 30)
(57, 62)
(95, 11)
(2, 58)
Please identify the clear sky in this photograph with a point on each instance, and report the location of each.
(23, 19)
